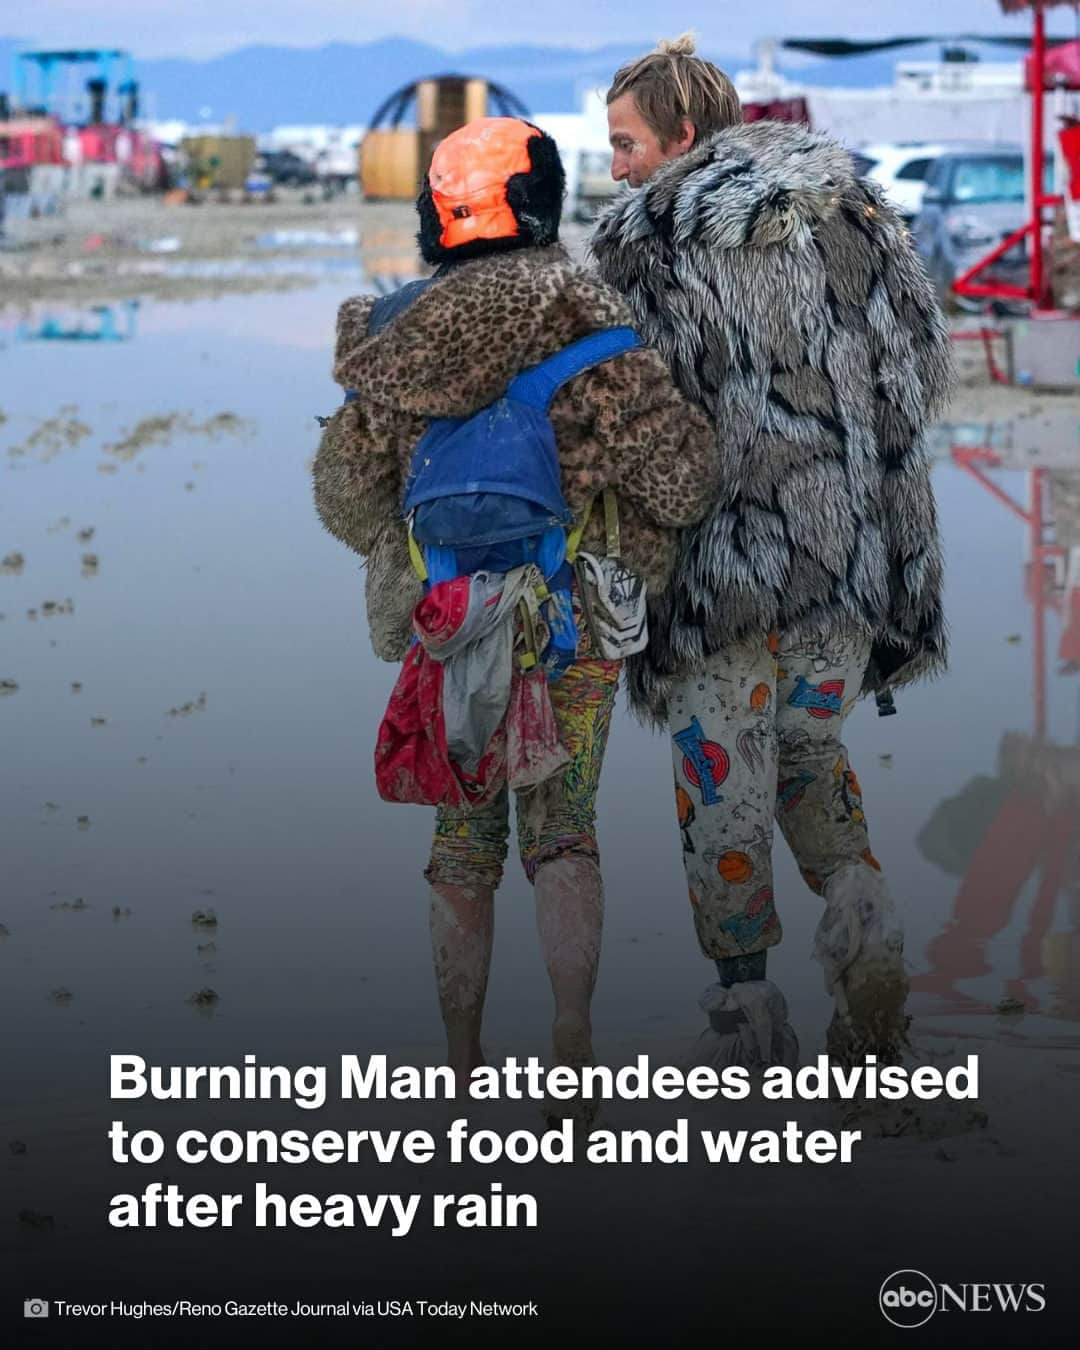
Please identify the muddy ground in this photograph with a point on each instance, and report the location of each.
(190, 703)
(142, 248)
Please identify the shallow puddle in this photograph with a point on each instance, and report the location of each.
(196, 730)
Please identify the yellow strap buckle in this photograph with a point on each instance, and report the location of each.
(416, 555)
(574, 536)
(611, 527)
(531, 655)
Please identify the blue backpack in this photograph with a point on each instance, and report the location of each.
(484, 491)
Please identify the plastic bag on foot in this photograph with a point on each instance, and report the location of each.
(748, 1027)
(860, 925)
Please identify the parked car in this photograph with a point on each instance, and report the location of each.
(286, 168)
(901, 170)
(973, 200)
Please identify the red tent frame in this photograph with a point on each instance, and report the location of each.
(1037, 289)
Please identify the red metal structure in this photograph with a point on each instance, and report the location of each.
(1037, 289)
(1045, 561)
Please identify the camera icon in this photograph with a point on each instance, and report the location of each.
(35, 1307)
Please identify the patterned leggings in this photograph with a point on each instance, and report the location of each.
(757, 733)
(555, 819)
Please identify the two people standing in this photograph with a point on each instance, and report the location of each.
(763, 452)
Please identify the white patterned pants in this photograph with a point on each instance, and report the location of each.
(756, 735)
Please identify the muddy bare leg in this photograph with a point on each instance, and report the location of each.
(570, 921)
(462, 921)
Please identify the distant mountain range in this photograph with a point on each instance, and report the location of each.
(262, 87)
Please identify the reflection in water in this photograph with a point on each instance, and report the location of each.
(99, 323)
(248, 267)
(390, 258)
(215, 575)
(1019, 830)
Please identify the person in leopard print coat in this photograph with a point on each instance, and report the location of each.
(506, 296)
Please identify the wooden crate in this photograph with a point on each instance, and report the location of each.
(390, 164)
(394, 160)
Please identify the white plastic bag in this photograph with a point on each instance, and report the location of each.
(612, 596)
(749, 1027)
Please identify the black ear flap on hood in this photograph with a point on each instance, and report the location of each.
(535, 197)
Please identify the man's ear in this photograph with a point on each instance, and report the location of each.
(689, 136)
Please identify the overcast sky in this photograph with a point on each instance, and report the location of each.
(204, 28)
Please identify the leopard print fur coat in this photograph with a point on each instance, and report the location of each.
(454, 350)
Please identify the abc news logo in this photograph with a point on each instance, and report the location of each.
(908, 1298)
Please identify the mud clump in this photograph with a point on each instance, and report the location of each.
(186, 709)
(60, 997)
(98, 722)
(204, 918)
(90, 564)
(223, 424)
(71, 905)
(206, 948)
(8, 687)
(924, 1120)
(160, 430)
(12, 564)
(53, 607)
(83, 822)
(84, 536)
(52, 437)
(204, 998)
(16, 1148)
(4, 932)
(150, 431)
(121, 911)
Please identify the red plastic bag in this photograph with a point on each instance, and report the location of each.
(411, 760)
(410, 763)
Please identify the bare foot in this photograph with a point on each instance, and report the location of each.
(463, 1065)
(571, 1041)
(571, 1045)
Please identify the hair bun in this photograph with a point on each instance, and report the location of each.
(684, 45)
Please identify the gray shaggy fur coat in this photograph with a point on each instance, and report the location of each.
(787, 300)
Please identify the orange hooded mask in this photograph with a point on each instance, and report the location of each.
(468, 176)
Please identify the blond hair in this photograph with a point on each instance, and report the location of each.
(671, 83)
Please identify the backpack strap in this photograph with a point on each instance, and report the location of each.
(386, 309)
(611, 527)
(539, 385)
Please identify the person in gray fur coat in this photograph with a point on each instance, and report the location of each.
(787, 300)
